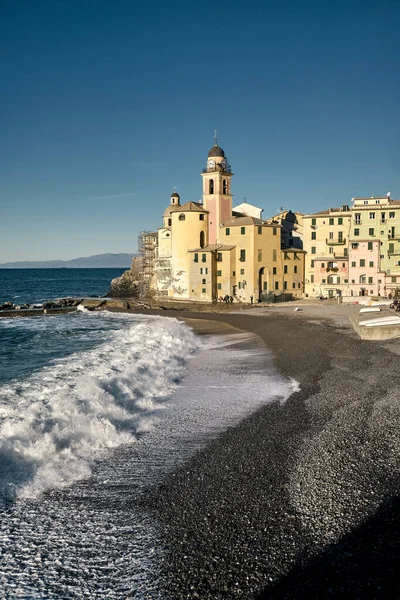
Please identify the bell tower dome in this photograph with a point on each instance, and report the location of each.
(174, 201)
(217, 197)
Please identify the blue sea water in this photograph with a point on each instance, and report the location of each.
(30, 286)
(94, 408)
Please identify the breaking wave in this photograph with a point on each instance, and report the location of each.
(57, 421)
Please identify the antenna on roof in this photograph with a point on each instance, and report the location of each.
(215, 137)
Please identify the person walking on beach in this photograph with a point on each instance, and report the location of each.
(251, 299)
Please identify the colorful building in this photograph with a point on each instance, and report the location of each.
(209, 249)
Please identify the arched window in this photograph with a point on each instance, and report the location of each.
(224, 187)
(211, 186)
(181, 217)
(202, 239)
(169, 222)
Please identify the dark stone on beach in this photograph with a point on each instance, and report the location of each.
(300, 500)
(7, 306)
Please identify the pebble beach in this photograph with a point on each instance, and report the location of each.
(300, 499)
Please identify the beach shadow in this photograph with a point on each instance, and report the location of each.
(363, 564)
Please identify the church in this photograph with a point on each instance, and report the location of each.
(208, 250)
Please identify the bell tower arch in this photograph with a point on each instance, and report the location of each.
(217, 197)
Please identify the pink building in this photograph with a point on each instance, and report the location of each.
(330, 276)
(365, 277)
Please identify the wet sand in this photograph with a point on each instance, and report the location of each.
(300, 499)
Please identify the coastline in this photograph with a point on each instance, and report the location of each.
(292, 485)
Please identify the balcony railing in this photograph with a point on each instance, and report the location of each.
(336, 242)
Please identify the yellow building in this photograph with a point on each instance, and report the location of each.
(207, 250)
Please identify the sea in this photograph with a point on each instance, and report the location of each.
(95, 409)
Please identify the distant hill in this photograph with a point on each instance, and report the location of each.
(98, 261)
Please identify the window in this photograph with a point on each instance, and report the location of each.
(228, 231)
(202, 239)
(356, 232)
(362, 262)
(274, 255)
(313, 235)
(259, 255)
(391, 215)
(370, 280)
(219, 286)
(343, 265)
(346, 281)
(259, 230)
(295, 269)
(357, 218)
(203, 271)
(377, 201)
(331, 235)
(391, 249)
(345, 252)
(340, 236)
(203, 291)
(219, 256)
(313, 250)
(340, 221)
(293, 285)
(285, 285)
(371, 231)
(182, 217)
(274, 230)
(285, 269)
(242, 271)
(313, 222)
(354, 246)
(240, 285)
(242, 230)
(353, 263)
(211, 186)
(312, 278)
(224, 187)
(324, 281)
(330, 250)
(312, 264)
(204, 258)
(370, 246)
(204, 281)
(323, 265)
(219, 273)
(169, 222)
(285, 256)
(273, 270)
(265, 286)
(242, 255)
(201, 216)
(372, 215)
(276, 285)
(371, 263)
(383, 217)
(393, 279)
(196, 257)
(233, 273)
(331, 221)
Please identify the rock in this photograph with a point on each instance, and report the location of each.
(92, 303)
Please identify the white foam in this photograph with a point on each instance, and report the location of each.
(55, 422)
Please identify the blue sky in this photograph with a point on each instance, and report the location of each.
(106, 106)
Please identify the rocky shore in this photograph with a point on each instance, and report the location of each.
(300, 499)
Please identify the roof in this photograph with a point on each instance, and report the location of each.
(171, 208)
(216, 151)
(213, 247)
(236, 221)
(191, 207)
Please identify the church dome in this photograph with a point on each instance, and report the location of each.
(175, 195)
(216, 151)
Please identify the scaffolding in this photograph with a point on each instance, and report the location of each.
(147, 244)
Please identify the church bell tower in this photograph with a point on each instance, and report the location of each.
(217, 197)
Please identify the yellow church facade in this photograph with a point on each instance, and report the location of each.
(207, 250)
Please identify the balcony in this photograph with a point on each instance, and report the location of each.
(336, 242)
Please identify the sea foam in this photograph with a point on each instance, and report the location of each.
(56, 422)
